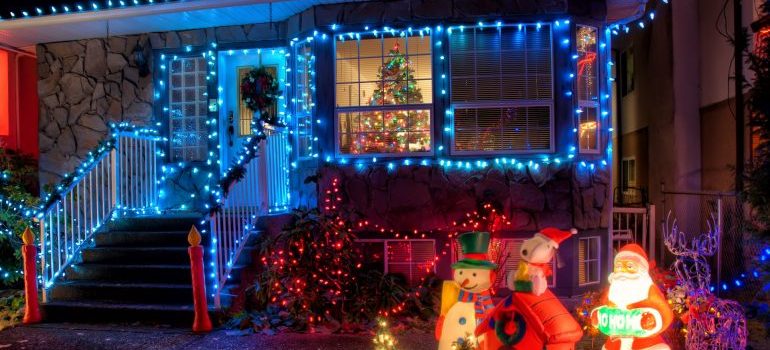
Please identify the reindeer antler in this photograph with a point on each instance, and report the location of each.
(691, 266)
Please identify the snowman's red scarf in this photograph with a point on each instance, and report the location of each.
(482, 302)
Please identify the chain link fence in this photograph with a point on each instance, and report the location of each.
(693, 210)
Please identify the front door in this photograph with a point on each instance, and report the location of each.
(236, 121)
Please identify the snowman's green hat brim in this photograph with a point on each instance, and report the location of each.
(474, 264)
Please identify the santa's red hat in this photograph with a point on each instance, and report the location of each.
(634, 252)
(555, 235)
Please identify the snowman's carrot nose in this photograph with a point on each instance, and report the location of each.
(466, 281)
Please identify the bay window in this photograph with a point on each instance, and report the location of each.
(384, 95)
(502, 89)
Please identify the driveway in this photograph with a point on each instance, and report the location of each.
(114, 337)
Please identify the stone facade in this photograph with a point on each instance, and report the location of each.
(86, 84)
(429, 198)
(83, 86)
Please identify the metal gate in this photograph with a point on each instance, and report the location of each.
(633, 225)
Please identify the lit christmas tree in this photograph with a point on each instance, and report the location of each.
(395, 131)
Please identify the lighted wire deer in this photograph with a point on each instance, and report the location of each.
(712, 323)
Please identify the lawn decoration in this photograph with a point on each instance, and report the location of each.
(531, 317)
(712, 323)
(635, 312)
(465, 300)
(536, 255)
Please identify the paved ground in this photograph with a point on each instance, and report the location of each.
(87, 337)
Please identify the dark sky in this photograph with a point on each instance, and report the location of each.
(17, 6)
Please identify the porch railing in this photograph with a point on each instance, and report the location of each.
(634, 225)
(236, 219)
(263, 189)
(120, 177)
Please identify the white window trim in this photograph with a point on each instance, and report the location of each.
(406, 107)
(588, 103)
(598, 260)
(502, 104)
(298, 114)
(385, 242)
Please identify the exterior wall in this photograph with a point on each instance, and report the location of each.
(718, 147)
(424, 198)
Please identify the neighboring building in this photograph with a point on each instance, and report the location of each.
(18, 101)
(506, 103)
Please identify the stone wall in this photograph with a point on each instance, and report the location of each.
(86, 84)
(83, 86)
(426, 198)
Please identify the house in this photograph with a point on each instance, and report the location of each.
(416, 112)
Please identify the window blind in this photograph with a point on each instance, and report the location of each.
(502, 87)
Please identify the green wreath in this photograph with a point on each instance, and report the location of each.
(516, 327)
(259, 90)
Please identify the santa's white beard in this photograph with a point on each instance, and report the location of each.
(627, 288)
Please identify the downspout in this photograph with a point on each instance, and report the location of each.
(19, 53)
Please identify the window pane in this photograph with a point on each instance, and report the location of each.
(189, 109)
(385, 72)
(384, 131)
(502, 129)
(586, 65)
(510, 68)
(501, 64)
(589, 129)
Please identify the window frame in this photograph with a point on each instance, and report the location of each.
(551, 103)
(430, 107)
(385, 263)
(587, 260)
(166, 115)
(298, 113)
(582, 105)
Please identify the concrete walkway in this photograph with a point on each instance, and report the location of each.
(64, 336)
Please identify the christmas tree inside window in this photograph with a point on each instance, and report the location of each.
(384, 96)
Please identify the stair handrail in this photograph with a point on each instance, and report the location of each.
(104, 147)
(116, 171)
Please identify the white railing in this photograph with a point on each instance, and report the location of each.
(275, 160)
(120, 178)
(234, 222)
(633, 225)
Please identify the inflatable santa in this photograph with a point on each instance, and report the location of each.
(466, 300)
(635, 312)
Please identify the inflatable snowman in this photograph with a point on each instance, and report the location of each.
(466, 300)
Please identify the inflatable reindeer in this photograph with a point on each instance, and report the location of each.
(712, 323)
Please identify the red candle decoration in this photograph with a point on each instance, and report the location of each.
(202, 322)
(29, 252)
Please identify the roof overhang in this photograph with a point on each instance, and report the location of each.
(185, 15)
(625, 11)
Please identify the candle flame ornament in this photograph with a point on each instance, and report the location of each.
(635, 311)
